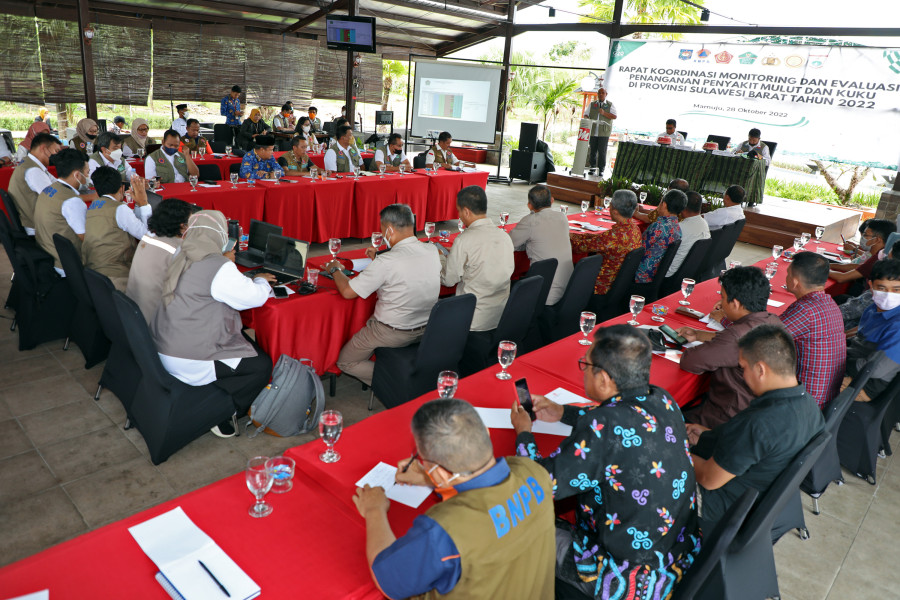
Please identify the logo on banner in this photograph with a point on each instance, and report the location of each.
(747, 58)
(584, 134)
(817, 61)
(794, 61)
(893, 59)
(704, 54)
(724, 57)
(685, 54)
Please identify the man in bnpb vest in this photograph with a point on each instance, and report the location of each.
(31, 178)
(343, 156)
(395, 155)
(440, 155)
(602, 112)
(108, 153)
(167, 163)
(296, 161)
(490, 537)
(59, 208)
(314, 120)
(260, 163)
(754, 148)
(627, 464)
(112, 228)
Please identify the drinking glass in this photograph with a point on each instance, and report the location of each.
(228, 150)
(193, 179)
(312, 276)
(687, 288)
(777, 251)
(734, 263)
(585, 205)
(152, 183)
(429, 170)
(259, 482)
(798, 244)
(659, 313)
(643, 197)
(381, 170)
(313, 173)
(606, 201)
(506, 354)
(234, 179)
(282, 469)
(460, 225)
(355, 171)
(202, 151)
(820, 231)
(587, 322)
(331, 423)
(377, 239)
(140, 152)
(251, 180)
(564, 209)
(444, 235)
(334, 246)
(88, 148)
(402, 169)
(771, 270)
(635, 305)
(193, 155)
(446, 384)
(504, 219)
(429, 230)
(804, 239)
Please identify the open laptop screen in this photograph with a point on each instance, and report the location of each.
(286, 254)
(259, 233)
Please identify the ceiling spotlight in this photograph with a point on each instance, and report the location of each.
(704, 16)
(552, 12)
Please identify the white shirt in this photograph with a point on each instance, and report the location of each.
(74, 211)
(692, 229)
(240, 293)
(407, 280)
(764, 151)
(677, 138)
(180, 125)
(131, 221)
(4, 149)
(726, 215)
(115, 129)
(331, 157)
(37, 180)
(379, 156)
(448, 155)
(150, 168)
(93, 166)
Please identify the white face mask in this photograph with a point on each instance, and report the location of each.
(886, 300)
(387, 240)
(187, 116)
(306, 129)
(115, 155)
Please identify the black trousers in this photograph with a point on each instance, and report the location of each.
(597, 152)
(247, 381)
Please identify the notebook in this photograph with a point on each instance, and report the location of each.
(285, 258)
(256, 243)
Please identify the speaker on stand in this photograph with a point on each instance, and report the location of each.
(526, 163)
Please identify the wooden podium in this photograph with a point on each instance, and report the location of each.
(779, 221)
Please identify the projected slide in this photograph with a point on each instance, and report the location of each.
(462, 100)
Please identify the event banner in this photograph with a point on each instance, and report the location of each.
(828, 102)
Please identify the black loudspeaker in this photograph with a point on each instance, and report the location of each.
(528, 136)
(529, 166)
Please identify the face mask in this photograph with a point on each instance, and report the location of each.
(115, 155)
(306, 129)
(886, 300)
(91, 137)
(186, 116)
(169, 151)
(83, 187)
(387, 240)
(864, 244)
(445, 492)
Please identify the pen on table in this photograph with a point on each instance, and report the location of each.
(409, 464)
(218, 583)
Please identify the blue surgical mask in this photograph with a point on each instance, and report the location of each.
(169, 151)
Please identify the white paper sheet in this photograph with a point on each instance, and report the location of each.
(498, 418)
(176, 545)
(563, 396)
(469, 170)
(383, 475)
(712, 323)
(42, 595)
(774, 303)
(359, 264)
(208, 185)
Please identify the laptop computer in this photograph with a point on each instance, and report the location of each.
(285, 258)
(256, 243)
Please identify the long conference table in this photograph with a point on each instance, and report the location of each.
(313, 544)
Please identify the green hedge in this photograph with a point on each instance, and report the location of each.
(808, 192)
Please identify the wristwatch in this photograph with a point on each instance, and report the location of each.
(332, 270)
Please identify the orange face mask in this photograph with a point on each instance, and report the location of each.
(445, 492)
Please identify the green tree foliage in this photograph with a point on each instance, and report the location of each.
(645, 11)
(394, 74)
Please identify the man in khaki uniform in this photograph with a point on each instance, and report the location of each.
(296, 161)
(59, 208)
(343, 156)
(440, 155)
(108, 152)
(193, 141)
(31, 178)
(167, 163)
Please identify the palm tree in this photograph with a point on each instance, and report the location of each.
(394, 73)
(549, 96)
(645, 11)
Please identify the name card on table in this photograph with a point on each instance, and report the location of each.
(498, 418)
(42, 595)
(563, 396)
(774, 303)
(384, 476)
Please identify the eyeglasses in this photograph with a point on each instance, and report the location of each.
(583, 365)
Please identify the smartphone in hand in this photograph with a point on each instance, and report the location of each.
(673, 335)
(525, 397)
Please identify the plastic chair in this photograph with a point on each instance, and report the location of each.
(481, 346)
(86, 331)
(402, 374)
(772, 146)
(689, 268)
(209, 173)
(721, 140)
(169, 413)
(121, 373)
(747, 570)
(545, 269)
(715, 544)
(859, 437)
(650, 291)
(613, 304)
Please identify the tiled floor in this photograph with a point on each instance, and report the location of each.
(67, 466)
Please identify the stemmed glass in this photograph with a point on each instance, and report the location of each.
(460, 225)
(504, 219)
(234, 179)
(777, 251)
(643, 197)
(355, 171)
(444, 235)
(635, 305)
(227, 150)
(687, 288)
(585, 205)
(251, 180)
(587, 322)
(331, 423)
(334, 246)
(152, 183)
(202, 150)
(506, 354)
(259, 481)
(446, 384)
(429, 230)
(820, 231)
(282, 469)
(140, 153)
(193, 179)
(771, 270)
(798, 244)
(804, 239)
(659, 313)
(377, 240)
(402, 169)
(381, 170)
(564, 209)
(606, 202)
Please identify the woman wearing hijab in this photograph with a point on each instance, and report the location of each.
(252, 127)
(85, 132)
(197, 327)
(138, 138)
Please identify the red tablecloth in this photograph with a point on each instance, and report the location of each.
(6, 175)
(373, 193)
(242, 203)
(443, 186)
(223, 163)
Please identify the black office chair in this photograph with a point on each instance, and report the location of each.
(705, 270)
(613, 303)
(218, 147)
(747, 570)
(562, 319)
(715, 543)
(402, 374)
(12, 213)
(222, 134)
(45, 304)
(481, 346)
(859, 437)
(689, 268)
(86, 331)
(722, 247)
(169, 413)
(650, 291)
(151, 148)
(209, 173)
(772, 146)
(419, 160)
(121, 373)
(721, 140)
(546, 269)
(684, 135)
(234, 168)
(9, 245)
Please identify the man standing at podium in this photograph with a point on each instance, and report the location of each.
(601, 112)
